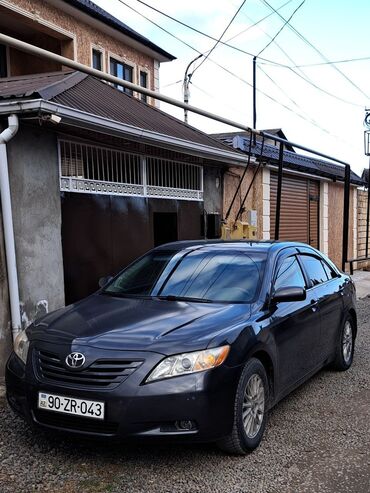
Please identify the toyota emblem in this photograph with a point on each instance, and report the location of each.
(75, 360)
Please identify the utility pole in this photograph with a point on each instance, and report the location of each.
(254, 92)
(186, 83)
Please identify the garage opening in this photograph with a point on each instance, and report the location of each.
(165, 227)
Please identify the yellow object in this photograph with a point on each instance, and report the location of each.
(240, 230)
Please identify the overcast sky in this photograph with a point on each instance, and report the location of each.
(328, 117)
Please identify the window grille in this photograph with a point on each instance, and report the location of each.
(87, 168)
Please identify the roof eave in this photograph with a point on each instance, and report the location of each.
(89, 121)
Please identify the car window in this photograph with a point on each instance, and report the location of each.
(330, 272)
(314, 269)
(289, 274)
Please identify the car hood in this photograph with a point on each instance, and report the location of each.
(139, 324)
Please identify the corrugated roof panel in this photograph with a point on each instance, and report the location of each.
(94, 96)
(292, 160)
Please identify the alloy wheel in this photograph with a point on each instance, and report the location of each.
(253, 405)
(347, 342)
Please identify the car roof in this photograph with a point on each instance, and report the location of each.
(269, 246)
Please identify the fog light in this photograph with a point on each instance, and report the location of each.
(185, 425)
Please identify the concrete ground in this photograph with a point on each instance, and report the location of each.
(362, 282)
(317, 441)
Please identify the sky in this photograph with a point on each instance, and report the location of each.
(325, 112)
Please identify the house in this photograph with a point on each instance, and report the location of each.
(312, 196)
(112, 179)
(97, 175)
(81, 31)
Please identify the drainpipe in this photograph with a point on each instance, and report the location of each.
(6, 206)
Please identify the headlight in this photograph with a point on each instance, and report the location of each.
(21, 345)
(182, 364)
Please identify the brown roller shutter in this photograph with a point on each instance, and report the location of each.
(299, 219)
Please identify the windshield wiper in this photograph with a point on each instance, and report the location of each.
(172, 297)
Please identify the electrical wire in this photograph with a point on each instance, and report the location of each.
(282, 27)
(333, 62)
(222, 35)
(310, 119)
(225, 43)
(225, 69)
(305, 40)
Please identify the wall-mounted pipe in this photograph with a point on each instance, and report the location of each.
(6, 207)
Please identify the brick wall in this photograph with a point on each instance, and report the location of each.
(361, 226)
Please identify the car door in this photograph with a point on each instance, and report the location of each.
(295, 325)
(327, 287)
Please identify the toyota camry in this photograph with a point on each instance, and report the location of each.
(194, 341)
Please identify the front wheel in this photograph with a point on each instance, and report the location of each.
(250, 410)
(345, 345)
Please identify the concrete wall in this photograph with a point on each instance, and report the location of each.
(34, 182)
(213, 189)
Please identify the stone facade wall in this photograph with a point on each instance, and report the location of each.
(71, 37)
(361, 226)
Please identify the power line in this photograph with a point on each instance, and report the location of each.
(222, 35)
(225, 43)
(229, 71)
(305, 40)
(332, 62)
(282, 27)
(311, 120)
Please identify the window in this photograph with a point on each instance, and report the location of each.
(3, 62)
(88, 168)
(329, 270)
(314, 268)
(123, 71)
(202, 274)
(143, 83)
(97, 59)
(290, 274)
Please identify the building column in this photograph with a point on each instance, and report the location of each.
(265, 204)
(355, 236)
(324, 217)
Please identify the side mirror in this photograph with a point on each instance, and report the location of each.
(103, 281)
(289, 294)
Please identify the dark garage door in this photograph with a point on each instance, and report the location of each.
(300, 202)
(101, 234)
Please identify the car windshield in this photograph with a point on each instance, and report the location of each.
(203, 275)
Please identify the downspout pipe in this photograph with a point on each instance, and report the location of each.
(6, 207)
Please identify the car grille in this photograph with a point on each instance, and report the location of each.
(101, 373)
(75, 423)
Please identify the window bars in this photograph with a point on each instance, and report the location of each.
(87, 168)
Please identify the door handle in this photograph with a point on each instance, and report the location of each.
(314, 305)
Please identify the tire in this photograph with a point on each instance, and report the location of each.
(345, 348)
(252, 397)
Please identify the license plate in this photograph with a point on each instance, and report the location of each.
(71, 405)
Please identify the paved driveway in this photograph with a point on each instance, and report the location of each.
(318, 440)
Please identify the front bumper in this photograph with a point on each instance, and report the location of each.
(134, 409)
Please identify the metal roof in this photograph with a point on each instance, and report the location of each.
(292, 160)
(93, 96)
(100, 14)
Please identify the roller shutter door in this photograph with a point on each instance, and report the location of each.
(299, 219)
